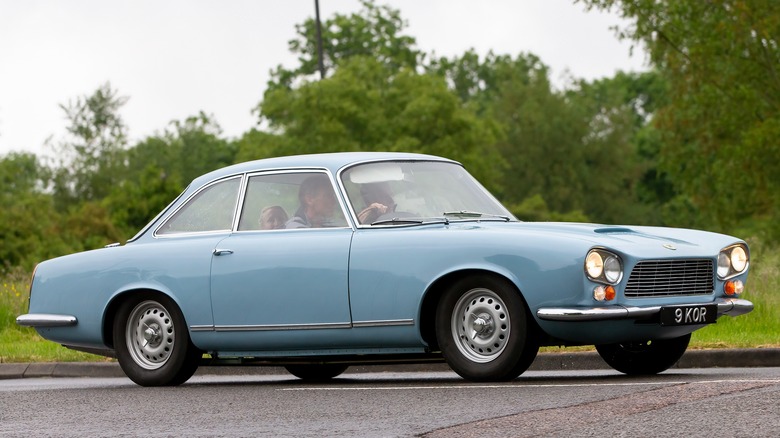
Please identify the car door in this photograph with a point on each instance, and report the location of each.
(283, 288)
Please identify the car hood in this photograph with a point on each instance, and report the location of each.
(640, 241)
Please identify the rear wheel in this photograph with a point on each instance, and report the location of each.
(483, 329)
(643, 358)
(316, 372)
(152, 343)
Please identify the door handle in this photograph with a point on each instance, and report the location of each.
(219, 252)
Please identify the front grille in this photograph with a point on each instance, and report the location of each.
(663, 278)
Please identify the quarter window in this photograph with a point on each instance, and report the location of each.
(211, 209)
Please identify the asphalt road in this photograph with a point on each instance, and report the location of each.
(710, 402)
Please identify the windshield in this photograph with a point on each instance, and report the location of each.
(408, 192)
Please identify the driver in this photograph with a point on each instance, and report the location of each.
(378, 200)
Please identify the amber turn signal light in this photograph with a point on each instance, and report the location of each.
(604, 293)
(733, 287)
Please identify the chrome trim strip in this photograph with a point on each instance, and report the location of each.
(383, 323)
(593, 313)
(46, 320)
(726, 306)
(318, 326)
(271, 327)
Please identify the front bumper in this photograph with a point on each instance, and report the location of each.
(726, 306)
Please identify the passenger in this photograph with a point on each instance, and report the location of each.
(273, 218)
(317, 203)
(378, 200)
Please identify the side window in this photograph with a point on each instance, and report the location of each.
(290, 200)
(211, 209)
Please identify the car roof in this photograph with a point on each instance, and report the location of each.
(330, 161)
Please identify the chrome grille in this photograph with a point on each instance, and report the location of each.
(663, 278)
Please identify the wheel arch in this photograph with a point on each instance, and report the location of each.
(116, 302)
(436, 289)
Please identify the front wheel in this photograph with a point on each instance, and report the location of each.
(484, 331)
(644, 358)
(316, 372)
(152, 343)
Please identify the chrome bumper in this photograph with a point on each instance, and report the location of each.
(45, 320)
(726, 306)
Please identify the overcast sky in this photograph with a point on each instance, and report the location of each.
(174, 58)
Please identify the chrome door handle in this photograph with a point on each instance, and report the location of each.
(219, 252)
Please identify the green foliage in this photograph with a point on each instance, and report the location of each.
(197, 147)
(622, 182)
(91, 159)
(722, 121)
(576, 148)
(158, 168)
(480, 82)
(374, 32)
(28, 217)
(255, 144)
(535, 209)
(72, 206)
(542, 143)
(132, 205)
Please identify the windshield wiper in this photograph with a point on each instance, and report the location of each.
(397, 220)
(412, 221)
(473, 214)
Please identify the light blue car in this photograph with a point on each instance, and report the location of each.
(319, 262)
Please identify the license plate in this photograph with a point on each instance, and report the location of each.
(689, 315)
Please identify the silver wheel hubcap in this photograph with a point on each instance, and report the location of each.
(150, 335)
(480, 325)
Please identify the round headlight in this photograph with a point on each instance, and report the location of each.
(738, 259)
(594, 264)
(724, 265)
(612, 269)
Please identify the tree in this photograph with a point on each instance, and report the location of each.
(723, 118)
(478, 82)
(201, 150)
(624, 182)
(374, 32)
(28, 219)
(92, 159)
(570, 151)
(256, 144)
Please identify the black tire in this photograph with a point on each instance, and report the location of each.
(162, 353)
(316, 372)
(644, 358)
(484, 330)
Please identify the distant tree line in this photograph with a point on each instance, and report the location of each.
(691, 142)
